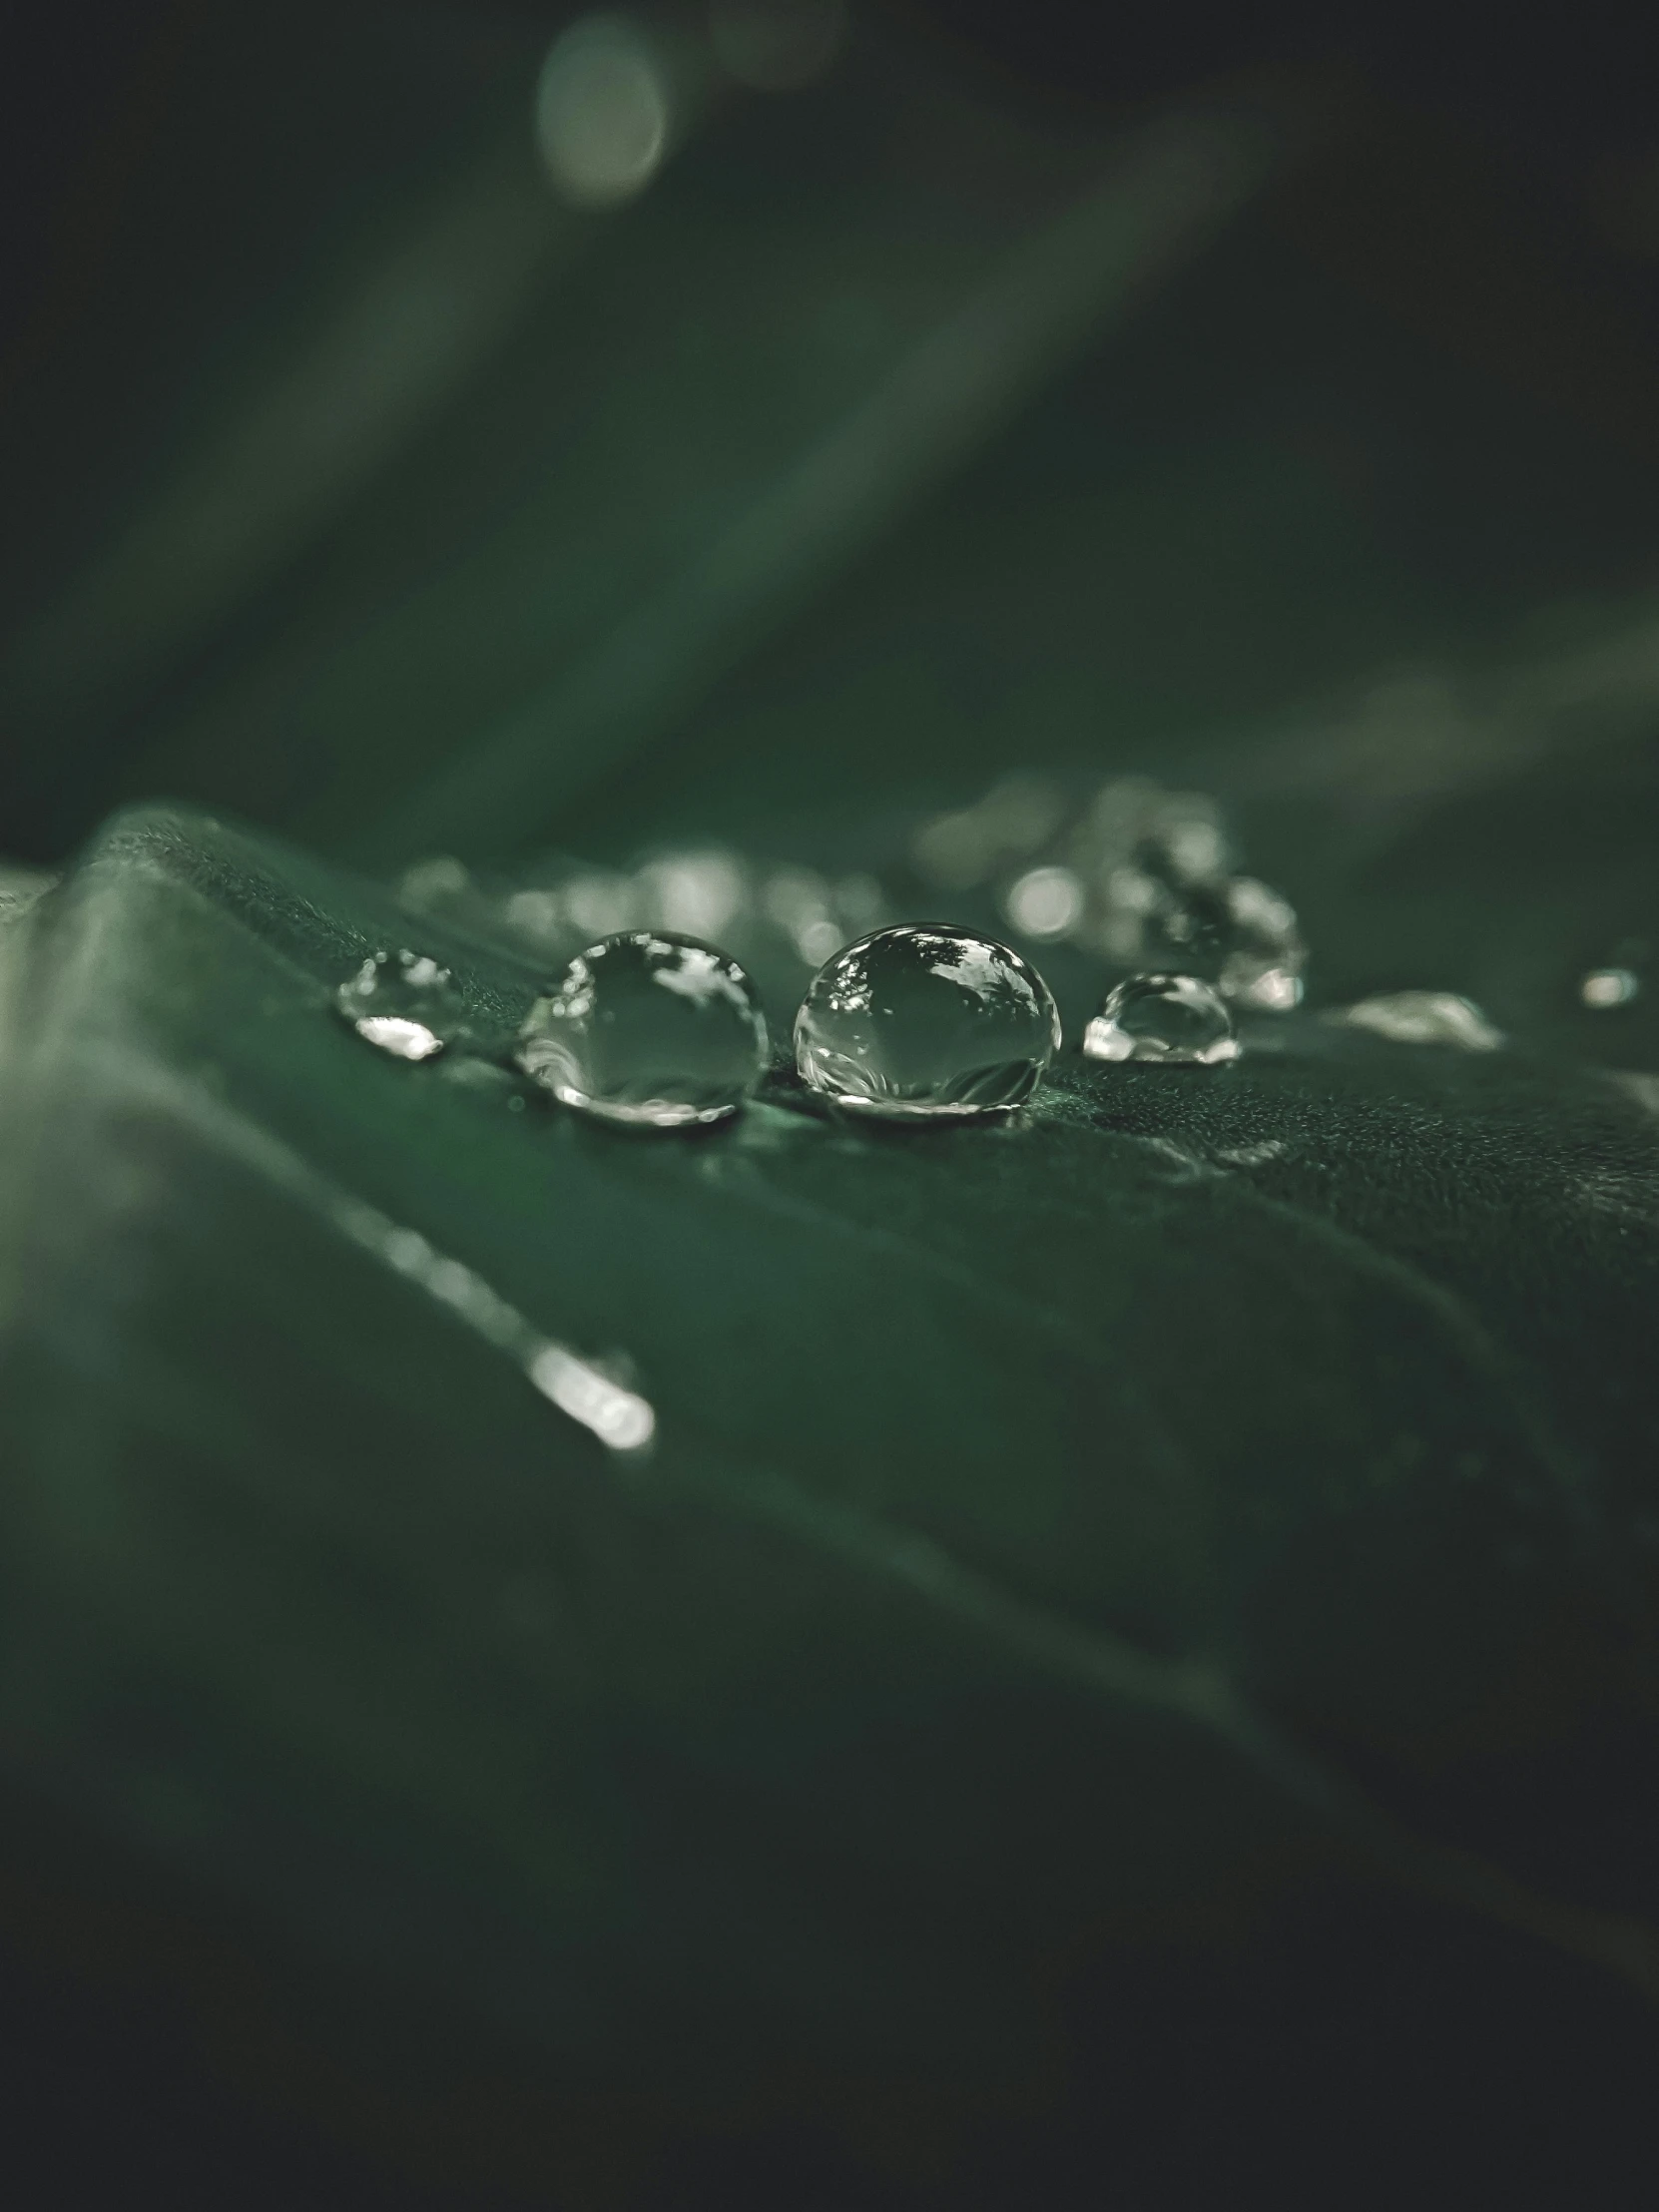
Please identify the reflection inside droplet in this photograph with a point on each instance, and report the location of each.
(1176, 1019)
(406, 1004)
(404, 1040)
(602, 111)
(648, 1030)
(926, 1024)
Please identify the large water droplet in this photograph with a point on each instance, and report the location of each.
(1422, 1017)
(648, 1029)
(404, 1003)
(1177, 1019)
(926, 1024)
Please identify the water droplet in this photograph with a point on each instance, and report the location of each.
(926, 1024)
(404, 1003)
(648, 1029)
(1044, 902)
(1176, 1019)
(1422, 1017)
(1604, 987)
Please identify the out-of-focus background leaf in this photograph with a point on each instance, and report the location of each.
(1267, 407)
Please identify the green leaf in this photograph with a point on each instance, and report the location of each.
(1055, 1537)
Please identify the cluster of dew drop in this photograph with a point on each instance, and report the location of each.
(656, 1020)
(653, 1024)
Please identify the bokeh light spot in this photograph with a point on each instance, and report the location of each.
(602, 111)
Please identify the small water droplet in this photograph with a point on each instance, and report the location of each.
(1178, 1020)
(926, 1024)
(650, 1030)
(1604, 987)
(1422, 1017)
(404, 1003)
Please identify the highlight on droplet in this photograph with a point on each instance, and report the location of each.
(1177, 1020)
(925, 1025)
(403, 1039)
(404, 1003)
(648, 1030)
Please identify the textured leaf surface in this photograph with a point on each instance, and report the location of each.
(1056, 1538)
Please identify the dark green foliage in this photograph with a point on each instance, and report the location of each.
(1062, 1540)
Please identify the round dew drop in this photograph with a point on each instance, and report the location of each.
(406, 1004)
(1175, 1019)
(648, 1030)
(925, 1024)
